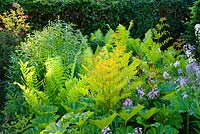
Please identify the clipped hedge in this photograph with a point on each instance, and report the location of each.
(89, 15)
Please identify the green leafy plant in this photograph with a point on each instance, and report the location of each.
(108, 79)
(15, 21)
(37, 54)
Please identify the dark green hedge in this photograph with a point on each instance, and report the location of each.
(89, 15)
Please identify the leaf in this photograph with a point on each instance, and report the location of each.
(54, 128)
(178, 104)
(161, 129)
(104, 122)
(149, 113)
(45, 109)
(127, 116)
(43, 120)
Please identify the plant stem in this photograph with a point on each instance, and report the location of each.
(187, 127)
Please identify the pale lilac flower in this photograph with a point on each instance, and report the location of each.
(180, 71)
(106, 130)
(128, 102)
(166, 75)
(138, 130)
(197, 29)
(191, 68)
(185, 95)
(152, 94)
(182, 81)
(140, 92)
(198, 72)
(188, 47)
(188, 51)
(177, 63)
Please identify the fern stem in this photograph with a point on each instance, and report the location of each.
(74, 64)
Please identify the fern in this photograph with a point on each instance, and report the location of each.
(108, 80)
(31, 86)
(150, 49)
(54, 78)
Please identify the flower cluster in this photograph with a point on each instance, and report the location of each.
(140, 92)
(189, 52)
(128, 102)
(152, 94)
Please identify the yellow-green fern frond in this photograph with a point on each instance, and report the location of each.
(54, 78)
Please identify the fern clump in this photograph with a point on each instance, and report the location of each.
(36, 55)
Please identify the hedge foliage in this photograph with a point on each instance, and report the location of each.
(89, 15)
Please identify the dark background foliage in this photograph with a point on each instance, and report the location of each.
(89, 15)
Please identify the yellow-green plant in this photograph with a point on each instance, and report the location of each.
(108, 80)
(15, 20)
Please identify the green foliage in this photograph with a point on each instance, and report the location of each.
(104, 122)
(126, 85)
(107, 80)
(70, 122)
(37, 54)
(12, 30)
(127, 116)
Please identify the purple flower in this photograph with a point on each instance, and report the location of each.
(185, 95)
(138, 130)
(191, 67)
(166, 75)
(153, 94)
(106, 130)
(188, 47)
(128, 102)
(180, 71)
(182, 81)
(140, 92)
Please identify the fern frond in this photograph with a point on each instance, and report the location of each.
(54, 78)
(31, 86)
(29, 75)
